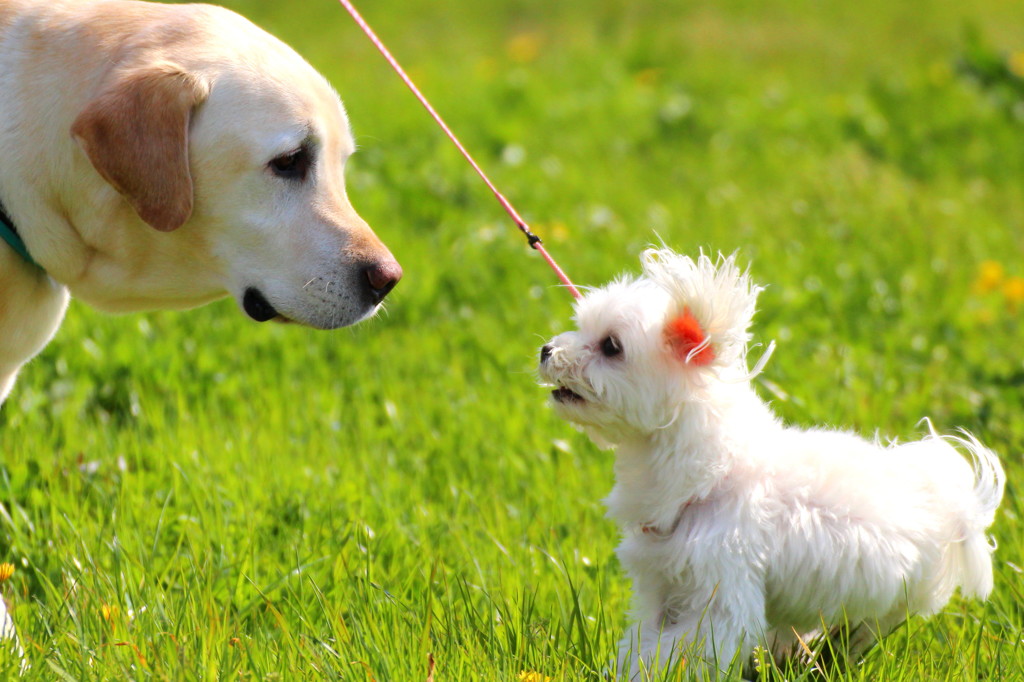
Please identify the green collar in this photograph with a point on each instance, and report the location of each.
(11, 236)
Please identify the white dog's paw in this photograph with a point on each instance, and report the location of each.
(10, 645)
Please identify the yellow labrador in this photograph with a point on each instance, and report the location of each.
(163, 156)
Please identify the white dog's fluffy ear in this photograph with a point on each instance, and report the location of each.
(713, 305)
(687, 340)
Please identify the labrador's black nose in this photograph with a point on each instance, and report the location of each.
(545, 353)
(257, 306)
(382, 278)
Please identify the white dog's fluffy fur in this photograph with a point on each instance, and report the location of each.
(739, 530)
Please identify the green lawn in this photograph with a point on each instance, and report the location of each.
(195, 496)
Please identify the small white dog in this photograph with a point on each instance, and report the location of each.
(739, 530)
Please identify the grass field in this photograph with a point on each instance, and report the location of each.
(194, 496)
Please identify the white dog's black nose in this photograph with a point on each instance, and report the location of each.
(382, 278)
(545, 353)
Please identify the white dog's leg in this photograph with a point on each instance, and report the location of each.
(32, 306)
(627, 664)
(648, 649)
(708, 640)
(716, 649)
(7, 631)
(864, 635)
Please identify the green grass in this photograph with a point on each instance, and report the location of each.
(264, 502)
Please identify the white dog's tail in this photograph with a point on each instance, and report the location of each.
(971, 558)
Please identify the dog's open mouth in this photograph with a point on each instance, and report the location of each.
(565, 395)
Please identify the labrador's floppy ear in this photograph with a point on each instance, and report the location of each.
(135, 133)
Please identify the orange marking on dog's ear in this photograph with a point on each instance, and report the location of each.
(684, 333)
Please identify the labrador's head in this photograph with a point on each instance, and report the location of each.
(210, 124)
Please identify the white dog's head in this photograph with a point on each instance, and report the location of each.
(646, 346)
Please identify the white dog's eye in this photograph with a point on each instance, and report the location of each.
(294, 165)
(610, 346)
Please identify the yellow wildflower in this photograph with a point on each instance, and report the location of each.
(523, 47)
(1015, 63)
(108, 612)
(6, 571)
(990, 277)
(556, 231)
(532, 676)
(647, 76)
(1013, 290)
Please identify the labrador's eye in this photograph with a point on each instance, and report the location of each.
(293, 165)
(610, 346)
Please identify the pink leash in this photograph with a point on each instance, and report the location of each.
(533, 239)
